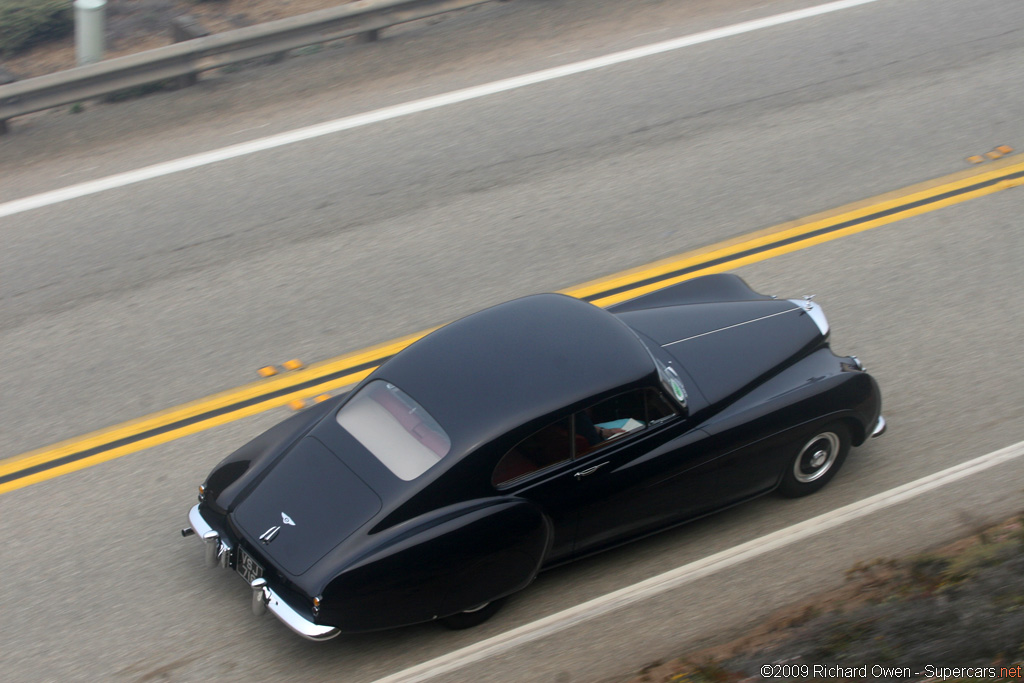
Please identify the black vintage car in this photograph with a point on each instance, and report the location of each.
(524, 436)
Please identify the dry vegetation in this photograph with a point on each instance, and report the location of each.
(960, 606)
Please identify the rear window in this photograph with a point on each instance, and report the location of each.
(395, 428)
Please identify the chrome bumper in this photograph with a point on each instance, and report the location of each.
(218, 552)
(292, 619)
(879, 427)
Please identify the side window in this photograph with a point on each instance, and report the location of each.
(658, 406)
(547, 447)
(611, 419)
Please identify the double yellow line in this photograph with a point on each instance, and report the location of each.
(129, 437)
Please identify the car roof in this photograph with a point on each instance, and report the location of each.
(484, 375)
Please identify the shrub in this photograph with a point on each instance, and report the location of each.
(25, 22)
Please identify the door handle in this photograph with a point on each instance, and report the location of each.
(590, 470)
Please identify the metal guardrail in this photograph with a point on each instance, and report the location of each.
(187, 59)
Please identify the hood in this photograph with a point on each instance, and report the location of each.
(728, 346)
(313, 499)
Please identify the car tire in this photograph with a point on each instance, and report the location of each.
(472, 617)
(818, 457)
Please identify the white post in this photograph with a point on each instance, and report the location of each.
(90, 26)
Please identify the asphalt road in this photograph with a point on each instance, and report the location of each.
(140, 298)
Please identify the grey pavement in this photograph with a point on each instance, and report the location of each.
(138, 299)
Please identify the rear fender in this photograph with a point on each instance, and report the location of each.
(438, 564)
(234, 474)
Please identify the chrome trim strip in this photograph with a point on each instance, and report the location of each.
(729, 327)
(879, 427)
(295, 621)
(270, 534)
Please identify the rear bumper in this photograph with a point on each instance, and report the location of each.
(220, 552)
(293, 620)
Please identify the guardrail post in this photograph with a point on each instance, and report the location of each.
(368, 37)
(5, 78)
(90, 26)
(187, 27)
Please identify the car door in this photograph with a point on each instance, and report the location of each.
(540, 468)
(658, 474)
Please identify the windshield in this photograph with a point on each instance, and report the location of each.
(395, 428)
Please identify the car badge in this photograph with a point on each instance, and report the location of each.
(287, 520)
(270, 534)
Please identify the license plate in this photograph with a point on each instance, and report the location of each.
(249, 568)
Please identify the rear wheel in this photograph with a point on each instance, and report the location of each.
(472, 617)
(816, 461)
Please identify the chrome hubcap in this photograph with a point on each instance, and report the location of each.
(816, 457)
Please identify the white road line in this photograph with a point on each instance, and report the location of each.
(396, 111)
(696, 570)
